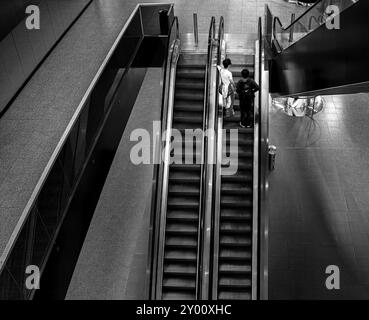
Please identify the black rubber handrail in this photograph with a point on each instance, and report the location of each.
(259, 262)
(204, 179)
(216, 171)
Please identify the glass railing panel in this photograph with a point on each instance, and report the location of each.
(13, 277)
(309, 21)
(9, 289)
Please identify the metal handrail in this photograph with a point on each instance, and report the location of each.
(204, 233)
(217, 168)
(319, 20)
(298, 20)
(263, 120)
(159, 198)
(292, 24)
(256, 169)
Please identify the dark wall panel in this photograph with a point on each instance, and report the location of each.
(11, 13)
(326, 58)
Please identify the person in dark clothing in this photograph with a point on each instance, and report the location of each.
(246, 89)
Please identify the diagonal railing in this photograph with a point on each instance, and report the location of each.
(320, 13)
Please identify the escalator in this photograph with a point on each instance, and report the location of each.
(234, 233)
(325, 51)
(181, 251)
(204, 236)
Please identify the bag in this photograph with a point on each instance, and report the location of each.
(230, 90)
(220, 88)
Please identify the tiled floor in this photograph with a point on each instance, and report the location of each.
(319, 201)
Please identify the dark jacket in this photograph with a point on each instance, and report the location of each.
(246, 88)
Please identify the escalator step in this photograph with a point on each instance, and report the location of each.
(240, 149)
(189, 106)
(180, 245)
(235, 268)
(179, 283)
(182, 254)
(174, 241)
(241, 153)
(244, 165)
(236, 283)
(190, 84)
(231, 295)
(246, 141)
(235, 254)
(236, 189)
(236, 201)
(183, 202)
(191, 73)
(181, 126)
(183, 215)
(197, 118)
(235, 227)
(187, 147)
(178, 296)
(235, 241)
(246, 131)
(180, 268)
(189, 114)
(185, 167)
(183, 227)
(238, 178)
(183, 190)
(184, 175)
(236, 213)
(192, 64)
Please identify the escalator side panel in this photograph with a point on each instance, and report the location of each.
(180, 265)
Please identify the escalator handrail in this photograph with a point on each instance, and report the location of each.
(156, 223)
(256, 214)
(174, 24)
(203, 249)
(217, 168)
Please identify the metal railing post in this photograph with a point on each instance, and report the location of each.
(195, 30)
(293, 17)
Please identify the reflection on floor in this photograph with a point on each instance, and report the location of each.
(319, 201)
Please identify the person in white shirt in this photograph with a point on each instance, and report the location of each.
(227, 87)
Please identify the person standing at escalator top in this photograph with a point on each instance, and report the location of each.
(227, 87)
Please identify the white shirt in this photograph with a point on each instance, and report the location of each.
(227, 78)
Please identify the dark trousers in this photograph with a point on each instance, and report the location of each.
(247, 111)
